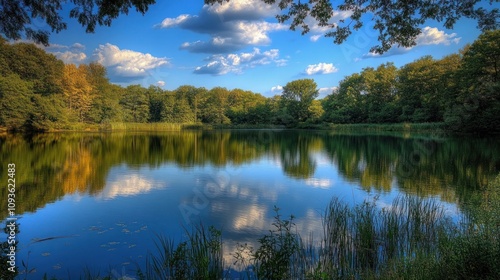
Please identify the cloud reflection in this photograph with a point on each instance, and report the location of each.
(129, 185)
(319, 183)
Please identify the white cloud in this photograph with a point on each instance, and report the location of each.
(160, 83)
(245, 9)
(68, 54)
(315, 38)
(276, 89)
(231, 26)
(70, 57)
(429, 36)
(434, 36)
(127, 63)
(320, 68)
(319, 31)
(171, 22)
(236, 63)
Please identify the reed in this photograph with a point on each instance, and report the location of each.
(145, 126)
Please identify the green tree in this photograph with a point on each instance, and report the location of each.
(182, 113)
(346, 104)
(397, 22)
(15, 101)
(424, 88)
(297, 96)
(16, 16)
(35, 65)
(315, 111)
(194, 96)
(477, 105)
(380, 89)
(135, 104)
(50, 113)
(215, 106)
(104, 107)
(156, 104)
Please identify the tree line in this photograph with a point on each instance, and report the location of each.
(40, 92)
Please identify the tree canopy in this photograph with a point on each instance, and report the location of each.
(462, 91)
(397, 22)
(16, 15)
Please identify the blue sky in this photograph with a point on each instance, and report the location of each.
(237, 45)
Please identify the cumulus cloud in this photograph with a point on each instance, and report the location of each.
(277, 89)
(127, 64)
(236, 63)
(69, 57)
(231, 26)
(160, 83)
(320, 68)
(68, 54)
(429, 36)
(434, 36)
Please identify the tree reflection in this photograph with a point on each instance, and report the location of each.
(48, 166)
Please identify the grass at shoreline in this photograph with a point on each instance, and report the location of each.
(122, 126)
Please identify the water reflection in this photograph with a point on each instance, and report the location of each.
(128, 185)
(53, 165)
(113, 192)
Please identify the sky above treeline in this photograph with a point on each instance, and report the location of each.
(239, 44)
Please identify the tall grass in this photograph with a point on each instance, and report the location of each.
(374, 127)
(199, 257)
(145, 126)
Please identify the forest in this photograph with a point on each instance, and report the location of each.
(38, 92)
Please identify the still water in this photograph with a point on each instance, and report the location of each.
(98, 201)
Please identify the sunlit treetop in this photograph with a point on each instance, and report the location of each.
(398, 22)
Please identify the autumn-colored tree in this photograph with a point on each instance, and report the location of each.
(77, 90)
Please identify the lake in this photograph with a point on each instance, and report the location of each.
(98, 201)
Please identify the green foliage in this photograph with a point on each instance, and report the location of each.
(273, 257)
(15, 101)
(135, 104)
(199, 257)
(461, 90)
(297, 97)
(216, 106)
(346, 104)
(16, 16)
(476, 107)
(34, 65)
